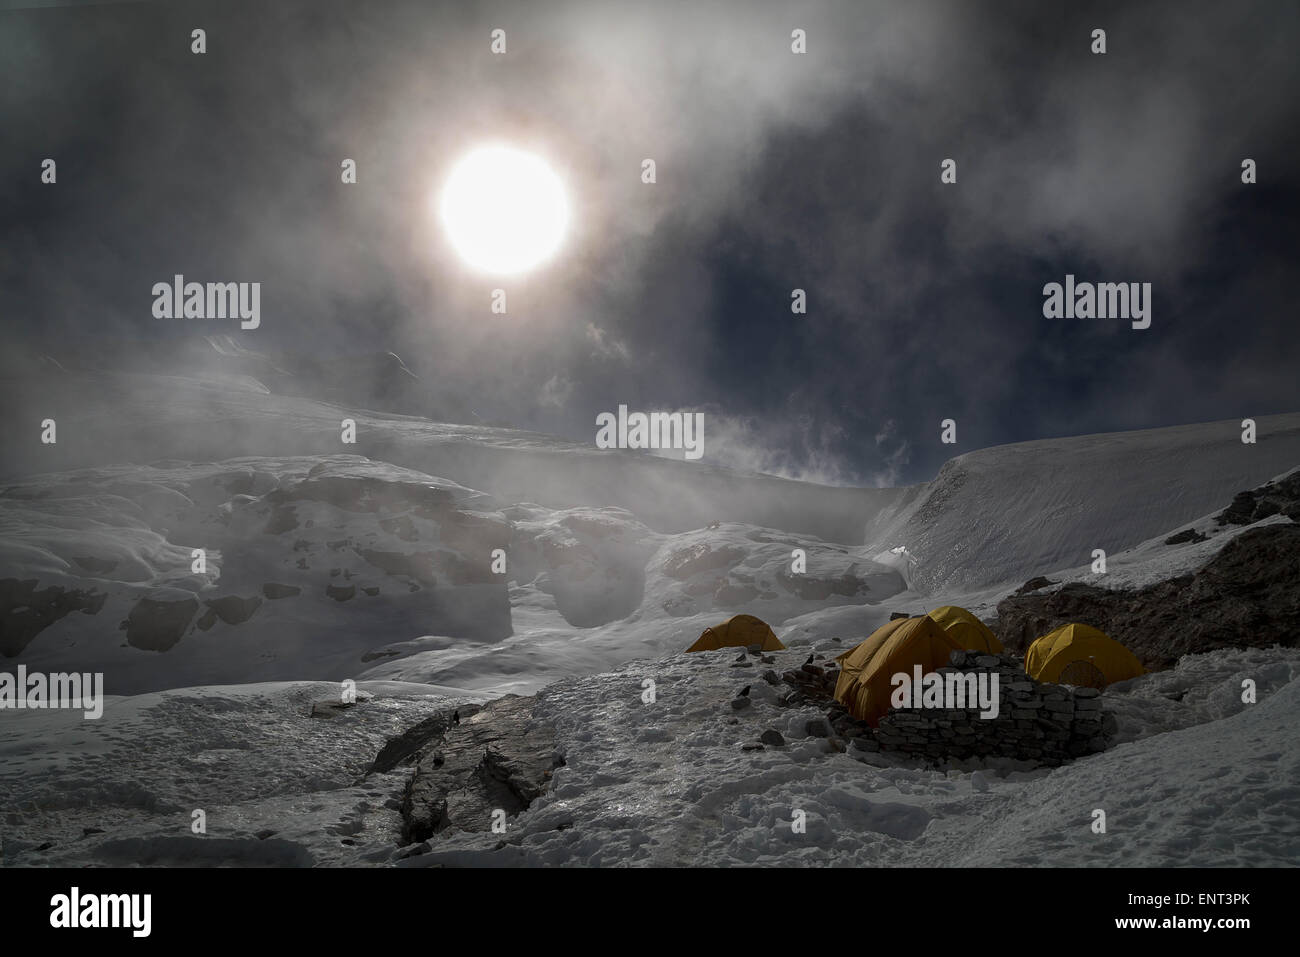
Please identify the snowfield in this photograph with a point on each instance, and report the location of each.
(380, 564)
(1199, 778)
(1010, 512)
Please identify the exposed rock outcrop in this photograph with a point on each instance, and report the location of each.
(157, 624)
(1271, 498)
(410, 742)
(232, 609)
(497, 759)
(1248, 595)
(27, 609)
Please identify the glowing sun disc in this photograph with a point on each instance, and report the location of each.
(504, 210)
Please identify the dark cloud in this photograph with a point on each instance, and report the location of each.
(775, 171)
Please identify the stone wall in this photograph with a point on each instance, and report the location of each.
(1047, 724)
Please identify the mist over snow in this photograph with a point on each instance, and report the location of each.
(374, 567)
(316, 317)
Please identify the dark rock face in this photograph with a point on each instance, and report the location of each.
(234, 610)
(1185, 536)
(230, 609)
(411, 741)
(1272, 498)
(497, 759)
(1246, 596)
(155, 625)
(26, 610)
(1034, 584)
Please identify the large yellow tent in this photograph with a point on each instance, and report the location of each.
(1078, 654)
(740, 631)
(866, 672)
(967, 630)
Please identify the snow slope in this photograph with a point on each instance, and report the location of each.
(1154, 560)
(669, 784)
(374, 562)
(332, 567)
(249, 756)
(611, 556)
(306, 561)
(1005, 514)
(1200, 778)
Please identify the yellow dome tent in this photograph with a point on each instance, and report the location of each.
(967, 630)
(1081, 655)
(740, 631)
(866, 672)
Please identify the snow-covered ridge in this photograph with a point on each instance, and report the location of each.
(330, 566)
(304, 561)
(611, 556)
(1004, 514)
(114, 417)
(339, 566)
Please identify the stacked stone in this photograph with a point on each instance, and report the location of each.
(812, 682)
(1047, 724)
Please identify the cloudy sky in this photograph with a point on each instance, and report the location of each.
(775, 171)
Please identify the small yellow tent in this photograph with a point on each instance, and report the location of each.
(967, 630)
(1080, 655)
(866, 672)
(740, 631)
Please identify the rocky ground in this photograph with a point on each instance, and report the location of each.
(1246, 595)
(547, 716)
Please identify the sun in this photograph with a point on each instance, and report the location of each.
(504, 210)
